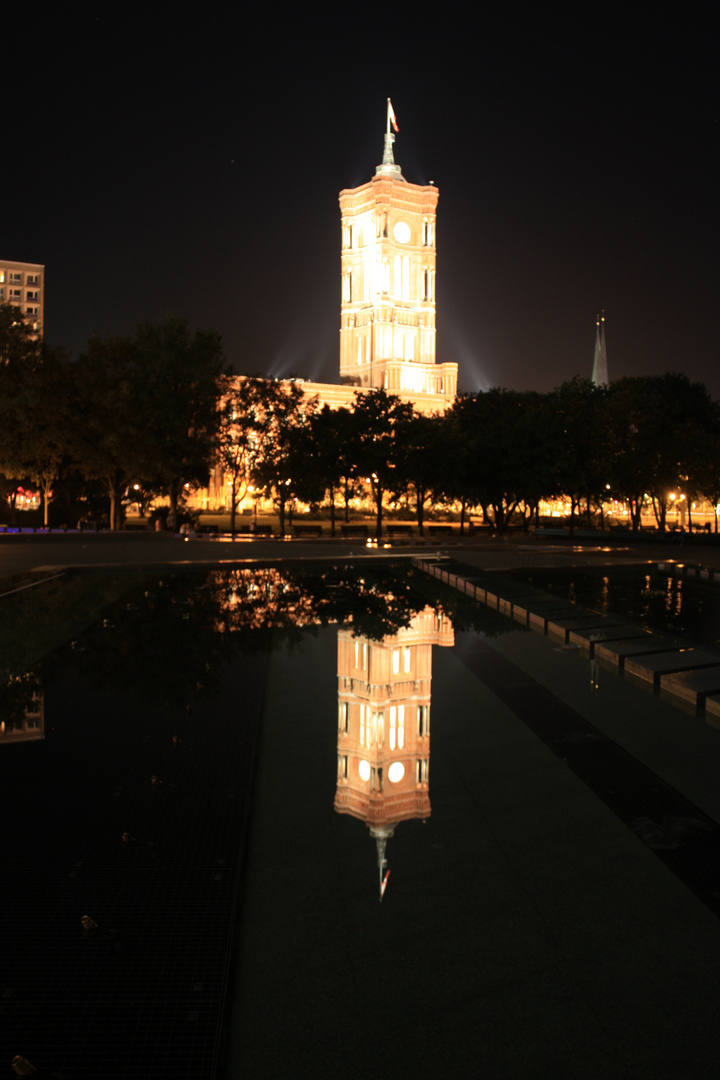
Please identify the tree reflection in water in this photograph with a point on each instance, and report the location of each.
(168, 639)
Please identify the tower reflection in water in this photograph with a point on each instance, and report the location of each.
(384, 692)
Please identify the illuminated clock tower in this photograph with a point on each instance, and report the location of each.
(387, 313)
(384, 692)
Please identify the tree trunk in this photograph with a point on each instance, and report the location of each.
(660, 510)
(45, 489)
(233, 506)
(114, 487)
(420, 509)
(499, 518)
(174, 495)
(635, 512)
(332, 510)
(379, 516)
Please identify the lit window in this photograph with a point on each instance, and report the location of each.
(362, 725)
(401, 726)
(342, 715)
(396, 661)
(393, 726)
(406, 657)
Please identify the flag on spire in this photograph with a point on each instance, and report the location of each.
(393, 118)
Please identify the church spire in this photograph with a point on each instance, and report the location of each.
(388, 167)
(600, 368)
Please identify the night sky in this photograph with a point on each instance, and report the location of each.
(189, 164)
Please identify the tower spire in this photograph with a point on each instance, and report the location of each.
(388, 167)
(382, 833)
(600, 368)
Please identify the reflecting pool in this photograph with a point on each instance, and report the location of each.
(656, 598)
(275, 823)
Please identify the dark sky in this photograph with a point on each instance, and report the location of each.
(189, 164)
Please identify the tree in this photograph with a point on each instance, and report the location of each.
(284, 411)
(110, 441)
(20, 352)
(578, 429)
(660, 426)
(19, 345)
(496, 433)
(330, 455)
(180, 380)
(424, 462)
(381, 419)
(49, 419)
(242, 411)
(34, 405)
(147, 409)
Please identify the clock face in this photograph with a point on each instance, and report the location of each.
(401, 232)
(396, 772)
(364, 770)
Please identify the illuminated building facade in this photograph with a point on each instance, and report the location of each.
(23, 284)
(387, 311)
(384, 692)
(28, 727)
(387, 307)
